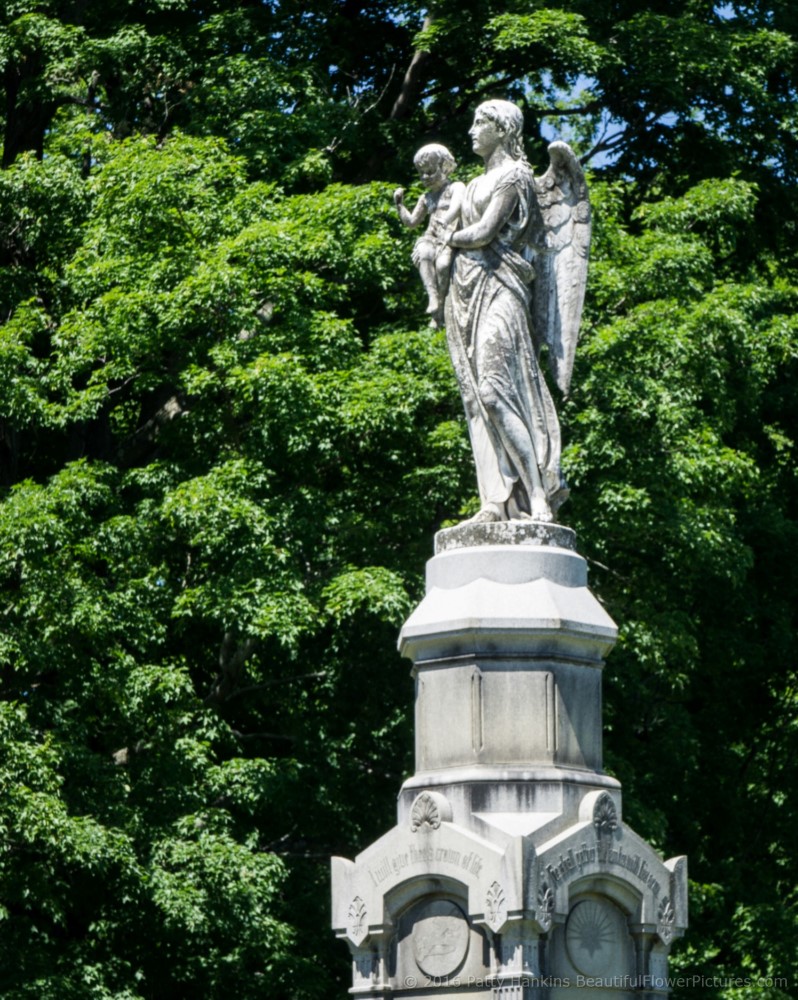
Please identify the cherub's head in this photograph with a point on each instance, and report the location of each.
(434, 164)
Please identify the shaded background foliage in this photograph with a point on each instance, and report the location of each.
(226, 442)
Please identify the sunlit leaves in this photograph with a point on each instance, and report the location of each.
(226, 441)
(374, 588)
(556, 39)
(679, 421)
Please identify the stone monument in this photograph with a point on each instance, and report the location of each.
(510, 872)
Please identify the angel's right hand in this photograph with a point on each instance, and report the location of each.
(399, 197)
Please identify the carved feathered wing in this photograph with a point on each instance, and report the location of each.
(561, 238)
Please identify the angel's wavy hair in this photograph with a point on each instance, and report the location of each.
(510, 120)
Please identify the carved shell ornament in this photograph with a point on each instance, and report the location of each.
(425, 812)
(430, 809)
(605, 815)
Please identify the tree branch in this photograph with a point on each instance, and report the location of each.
(605, 145)
(232, 657)
(264, 685)
(279, 737)
(584, 109)
(411, 83)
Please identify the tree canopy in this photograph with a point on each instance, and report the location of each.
(226, 440)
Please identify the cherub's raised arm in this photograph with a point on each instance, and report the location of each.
(490, 225)
(409, 219)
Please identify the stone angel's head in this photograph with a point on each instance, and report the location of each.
(434, 164)
(508, 123)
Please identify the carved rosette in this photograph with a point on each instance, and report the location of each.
(545, 906)
(592, 935)
(665, 921)
(605, 815)
(357, 926)
(495, 910)
(430, 809)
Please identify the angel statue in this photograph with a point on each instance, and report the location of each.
(517, 282)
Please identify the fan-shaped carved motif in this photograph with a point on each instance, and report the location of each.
(605, 815)
(425, 812)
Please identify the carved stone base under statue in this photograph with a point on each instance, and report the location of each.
(510, 872)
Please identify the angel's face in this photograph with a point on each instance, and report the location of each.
(486, 136)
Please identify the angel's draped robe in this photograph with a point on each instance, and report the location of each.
(490, 341)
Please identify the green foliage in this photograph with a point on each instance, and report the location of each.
(556, 38)
(202, 398)
(675, 430)
(226, 441)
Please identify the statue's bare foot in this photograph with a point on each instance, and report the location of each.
(541, 511)
(438, 320)
(489, 513)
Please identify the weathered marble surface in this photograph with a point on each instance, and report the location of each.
(510, 872)
(470, 534)
(506, 269)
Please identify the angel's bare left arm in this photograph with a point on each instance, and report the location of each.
(490, 225)
(456, 191)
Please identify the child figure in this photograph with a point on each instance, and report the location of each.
(431, 254)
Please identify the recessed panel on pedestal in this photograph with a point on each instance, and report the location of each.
(438, 948)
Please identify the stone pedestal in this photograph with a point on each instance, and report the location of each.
(510, 872)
